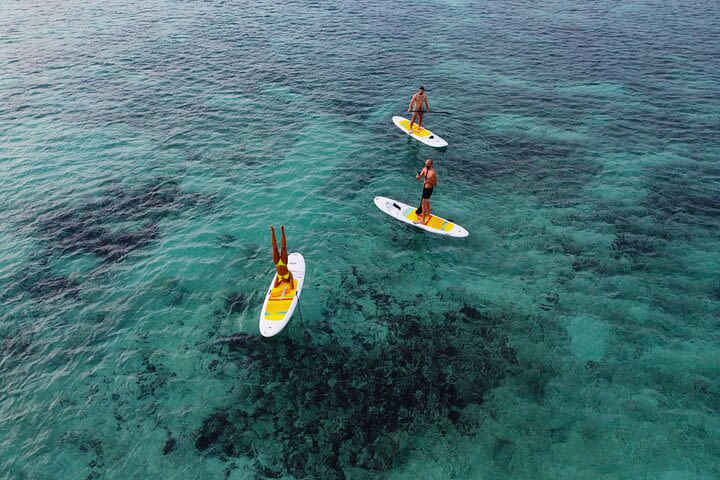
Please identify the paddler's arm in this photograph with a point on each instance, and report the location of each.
(421, 174)
(412, 100)
(427, 105)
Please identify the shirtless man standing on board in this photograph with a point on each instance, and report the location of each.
(430, 176)
(418, 105)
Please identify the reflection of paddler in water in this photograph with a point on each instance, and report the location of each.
(428, 173)
(280, 259)
(418, 105)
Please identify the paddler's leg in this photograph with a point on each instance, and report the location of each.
(420, 117)
(425, 204)
(275, 253)
(420, 209)
(283, 244)
(284, 255)
(426, 211)
(412, 119)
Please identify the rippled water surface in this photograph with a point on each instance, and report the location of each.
(145, 147)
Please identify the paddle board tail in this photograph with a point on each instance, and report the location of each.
(419, 133)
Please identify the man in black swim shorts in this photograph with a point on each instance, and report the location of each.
(428, 173)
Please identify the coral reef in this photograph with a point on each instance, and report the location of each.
(322, 408)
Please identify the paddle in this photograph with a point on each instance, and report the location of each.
(434, 111)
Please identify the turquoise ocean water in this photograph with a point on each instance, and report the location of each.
(145, 147)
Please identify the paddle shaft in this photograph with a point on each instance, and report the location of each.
(434, 111)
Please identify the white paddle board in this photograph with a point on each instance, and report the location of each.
(406, 213)
(280, 301)
(419, 133)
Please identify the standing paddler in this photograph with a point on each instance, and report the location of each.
(418, 105)
(430, 176)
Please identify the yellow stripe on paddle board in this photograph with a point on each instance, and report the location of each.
(280, 299)
(435, 223)
(419, 131)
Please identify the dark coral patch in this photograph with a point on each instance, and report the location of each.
(169, 445)
(225, 240)
(219, 430)
(331, 407)
(39, 281)
(151, 378)
(172, 291)
(685, 192)
(86, 226)
(109, 226)
(236, 302)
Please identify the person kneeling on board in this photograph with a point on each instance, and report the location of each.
(419, 106)
(428, 173)
(280, 259)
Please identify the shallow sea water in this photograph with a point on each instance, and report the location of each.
(145, 147)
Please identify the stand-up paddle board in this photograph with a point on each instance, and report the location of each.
(406, 213)
(419, 133)
(280, 301)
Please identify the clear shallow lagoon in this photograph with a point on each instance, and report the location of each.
(145, 147)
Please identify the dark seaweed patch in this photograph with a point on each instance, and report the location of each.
(634, 245)
(119, 246)
(86, 227)
(14, 346)
(515, 154)
(636, 240)
(715, 292)
(238, 341)
(685, 192)
(98, 225)
(173, 292)
(268, 472)
(380, 299)
(225, 240)
(169, 445)
(219, 430)
(12, 350)
(346, 184)
(151, 378)
(91, 446)
(503, 452)
(213, 427)
(40, 282)
(332, 407)
(236, 302)
(708, 393)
